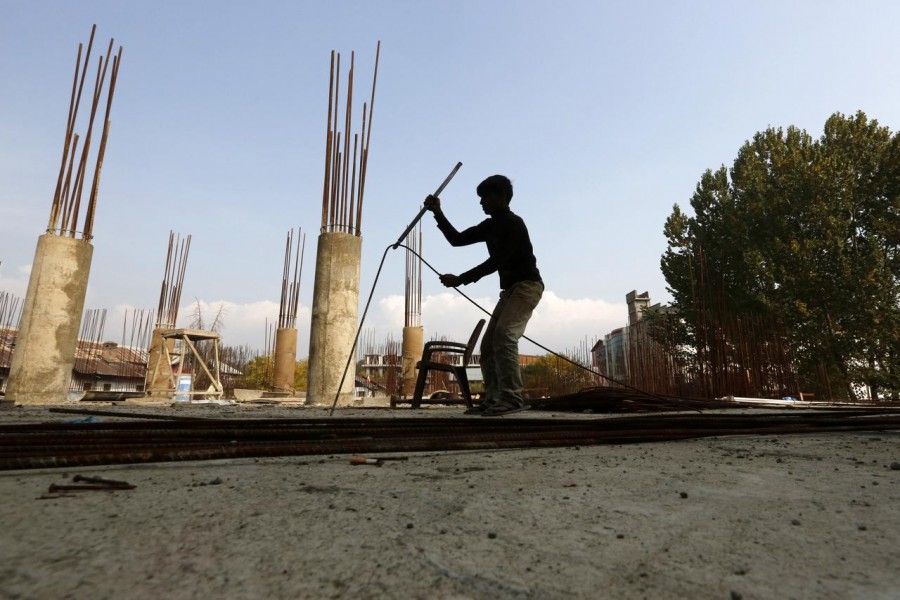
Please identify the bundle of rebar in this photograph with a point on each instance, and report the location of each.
(413, 297)
(48, 445)
(89, 342)
(136, 342)
(290, 283)
(67, 199)
(345, 169)
(10, 315)
(269, 353)
(93, 323)
(10, 311)
(173, 280)
(608, 399)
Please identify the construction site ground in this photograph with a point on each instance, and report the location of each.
(788, 516)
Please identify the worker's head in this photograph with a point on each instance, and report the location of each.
(498, 185)
(495, 192)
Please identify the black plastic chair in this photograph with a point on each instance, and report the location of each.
(429, 363)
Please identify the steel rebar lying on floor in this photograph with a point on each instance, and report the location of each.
(50, 445)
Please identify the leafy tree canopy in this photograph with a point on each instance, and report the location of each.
(259, 372)
(556, 375)
(806, 231)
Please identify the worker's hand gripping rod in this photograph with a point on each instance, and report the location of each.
(409, 228)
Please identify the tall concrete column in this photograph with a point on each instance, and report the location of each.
(335, 310)
(285, 360)
(42, 362)
(412, 353)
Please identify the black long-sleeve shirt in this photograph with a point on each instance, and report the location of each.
(509, 248)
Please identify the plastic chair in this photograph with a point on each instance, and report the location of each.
(428, 363)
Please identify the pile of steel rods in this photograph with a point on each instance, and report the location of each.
(615, 399)
(48, 445)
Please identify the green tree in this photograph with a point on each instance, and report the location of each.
(258, 373)
(806, 232)
(554, 376)
(301, 374)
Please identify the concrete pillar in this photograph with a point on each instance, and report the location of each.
(335, 311)
(156, 361)
(285, 360)
(412, 353)
(42, 361)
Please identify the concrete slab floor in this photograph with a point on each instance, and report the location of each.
(804, 516)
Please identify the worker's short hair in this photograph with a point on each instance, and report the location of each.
(496, 184)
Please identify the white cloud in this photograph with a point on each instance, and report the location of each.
(559, 324)
(244, 324)
(584, 314)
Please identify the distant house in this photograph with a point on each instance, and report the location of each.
(101, 367)
(106, 367)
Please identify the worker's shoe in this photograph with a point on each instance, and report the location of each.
(478, 409)
(503, 408)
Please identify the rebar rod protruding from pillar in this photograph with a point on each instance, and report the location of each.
(173, 280)
(159, 369)
(285, 349)
(345, 159)
(290, 280)
(413, 298)
(65, 211)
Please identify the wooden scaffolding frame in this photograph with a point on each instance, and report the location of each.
(187, 337)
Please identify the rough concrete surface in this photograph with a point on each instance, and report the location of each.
(811, 516)
(51, 316)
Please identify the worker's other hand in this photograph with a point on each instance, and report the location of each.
(451, 280)
(433, 203)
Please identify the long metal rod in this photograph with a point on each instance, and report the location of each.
(95, 185)
(328, 141)
(364, 154)
(440, 189)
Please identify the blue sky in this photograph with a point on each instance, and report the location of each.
(604, 115)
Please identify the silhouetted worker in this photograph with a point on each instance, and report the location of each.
(510, 254)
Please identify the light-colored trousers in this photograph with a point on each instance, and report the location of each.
(500, 344)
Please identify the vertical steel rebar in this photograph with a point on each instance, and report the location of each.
(345, 158)
(66, 207)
